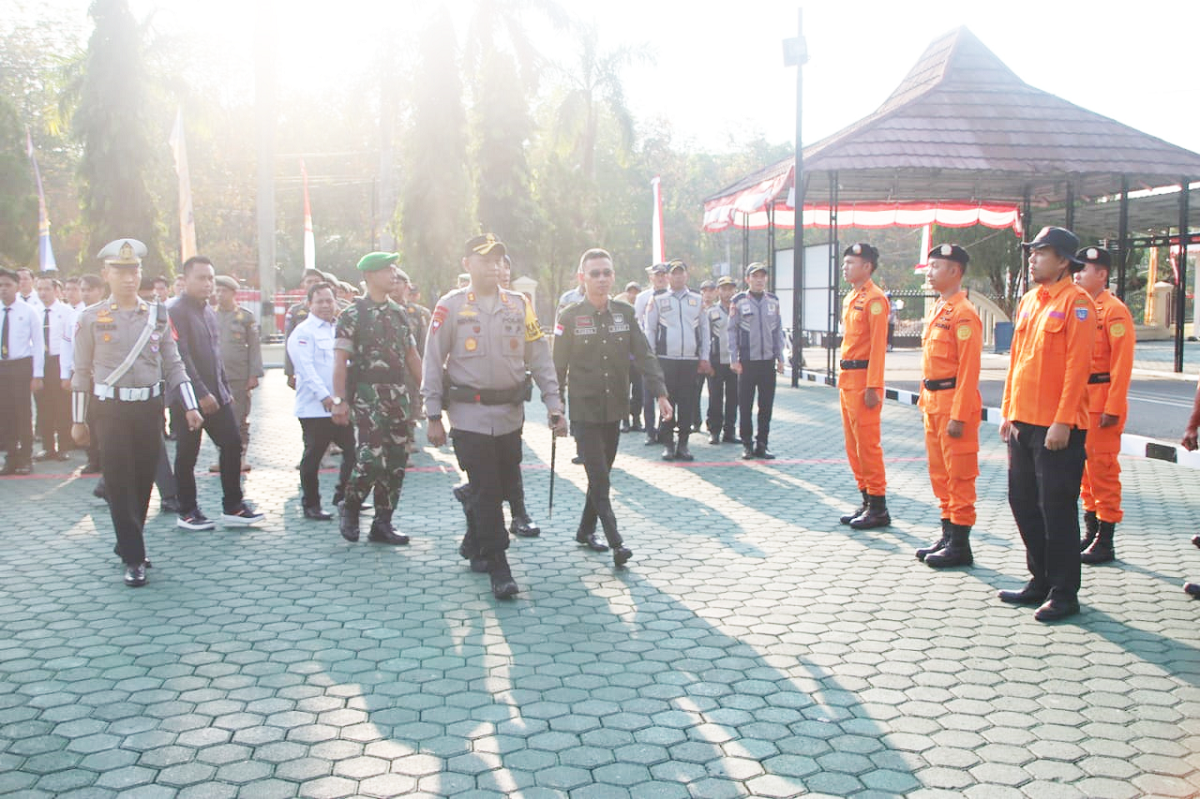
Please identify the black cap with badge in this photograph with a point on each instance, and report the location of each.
(1095, 255)
(950, 252)
(864, 251)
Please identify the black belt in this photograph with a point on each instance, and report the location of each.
(1099, 377)
(940, 385)
(855, 364)
(486, 396)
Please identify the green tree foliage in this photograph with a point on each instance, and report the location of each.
(435, 195)
(18, 200)
(123, 143)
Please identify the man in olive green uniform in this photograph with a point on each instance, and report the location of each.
(596, 341)
(481, 341)
(375, 353)
(241, 352)
(124, 352)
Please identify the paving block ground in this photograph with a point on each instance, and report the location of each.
(754, 646)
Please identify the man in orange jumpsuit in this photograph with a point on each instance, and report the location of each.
(1045, 423)
(952, 349)
(1108, 403)
(860, 384)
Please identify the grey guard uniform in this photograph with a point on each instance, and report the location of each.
(474, 368)
(128, 416)
(722, 383)
(241, 352)
(756, 341)
(677, 328)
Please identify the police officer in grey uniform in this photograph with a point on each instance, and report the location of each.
(677, 328)
(124, 352)
(241, 352)
(722, 385)
(756, 355)
(480, 343)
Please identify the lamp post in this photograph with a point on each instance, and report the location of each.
(795, 54)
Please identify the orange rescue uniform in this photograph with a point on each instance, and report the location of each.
(864, 343)
(952, 348)
(1108, 393)
(1051, 357)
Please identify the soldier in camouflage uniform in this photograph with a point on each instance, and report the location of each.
(376, 352)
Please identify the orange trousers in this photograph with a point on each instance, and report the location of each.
(953, 466)
(1101, 486)
(863, 449)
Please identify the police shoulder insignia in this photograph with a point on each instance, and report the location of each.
(439, 316)
(533, 328)
(963, 332)
(876, 308)
(1117, 330)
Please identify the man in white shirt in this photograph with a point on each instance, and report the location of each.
(21, 365)
(54, 401)
(26, 290)
(310, 347)
(73, 294)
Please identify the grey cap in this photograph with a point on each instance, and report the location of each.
(707, 284)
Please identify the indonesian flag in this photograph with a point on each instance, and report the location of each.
(46, 261)
(187, 219)
(659, 248)
(310, 242)
(923, 255)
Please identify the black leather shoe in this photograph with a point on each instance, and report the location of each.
(621, 555)
(636, 427)
(682, 453)
(592, 541)
(99, 493)
(1192, 589)
(135, 576)
(761, 451)
(624, 428)
(48, 455)
(348, 522)
(854, 514)
(747, 452)
(317, 515)
(91, 467)
(1055, 609)
(577, 460)
(651, 439)
(169, 505)
(503, 584)
(668, 452)
(876, 515)
(524, 526)
(714, 438)
(382, 531)
(1029, 595)
(730, 438)
(117, 552)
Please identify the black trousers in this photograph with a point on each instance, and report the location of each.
(635, 393)
(319, 431)
(756, 376)
(164, 478)
(722, 399)
(54, 410)
(488, 462)
(130, 437)
(223, 430)
(680, 379)
(598, 444)
(16, 420)
(1043, 492)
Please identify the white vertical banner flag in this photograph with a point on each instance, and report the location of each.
(187, 220)
(923, 255)
(658, 244)
(310, 242)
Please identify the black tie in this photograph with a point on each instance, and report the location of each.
(46, 329)
(4, 335)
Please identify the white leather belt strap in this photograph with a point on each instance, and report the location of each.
(127, 394)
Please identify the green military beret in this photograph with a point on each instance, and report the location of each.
(374, 261)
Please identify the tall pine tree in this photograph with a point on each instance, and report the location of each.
(436, 193)
(121, 146)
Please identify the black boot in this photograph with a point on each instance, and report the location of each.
(854, 514)
(1101, 550)
(936, 546)
(348, 520)
(957, 552)
(382, 531)
(682, 453)
(668, 442)
(876, 514)
(503, 585)
(1091, 525)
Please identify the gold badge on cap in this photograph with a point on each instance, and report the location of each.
(126, 252)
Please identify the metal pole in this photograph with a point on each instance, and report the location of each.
(1123, 239)
(831, 324)
(800, 54)
(771, 242)
(264, 101)
(1181, 289)
(1070, 205)
(1026, 222)
(745, 245)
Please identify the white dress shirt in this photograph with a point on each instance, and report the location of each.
(310, 346)
(66, 356)
(24, 334)
(33, 301)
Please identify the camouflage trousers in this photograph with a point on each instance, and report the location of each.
(380, 419)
